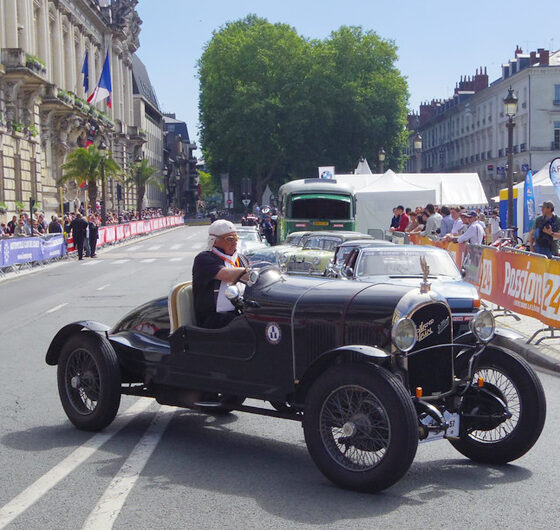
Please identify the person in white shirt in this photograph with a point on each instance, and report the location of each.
(494, 224)
(457, 221)
(474, 233)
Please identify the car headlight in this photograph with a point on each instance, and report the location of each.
(483, 326)
(403, 334)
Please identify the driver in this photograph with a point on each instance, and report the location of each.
(213, 270)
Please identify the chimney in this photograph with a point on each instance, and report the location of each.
(518, 51)
(544, 56)
(533, 58)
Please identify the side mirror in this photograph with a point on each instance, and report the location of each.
(253, 278)
(463, 272)
(349, 272)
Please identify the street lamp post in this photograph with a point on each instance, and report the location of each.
(381, 157)
(138, 160)
(102, 148)
(417, 144)
(510, 105)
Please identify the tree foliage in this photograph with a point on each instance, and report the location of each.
(141, 174)
(84, 165)
(274, 105)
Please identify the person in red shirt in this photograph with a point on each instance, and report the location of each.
(404, 219)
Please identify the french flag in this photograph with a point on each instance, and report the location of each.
(103, 89)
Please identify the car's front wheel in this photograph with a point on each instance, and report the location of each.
(89, 381)
(360, 427)
(520, 389)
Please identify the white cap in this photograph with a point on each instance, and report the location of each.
(219, 228)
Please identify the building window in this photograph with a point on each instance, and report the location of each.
(500, 152)
(557, 94)
(522, 148)
(556, 142)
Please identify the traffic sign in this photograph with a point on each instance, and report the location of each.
(246, 202)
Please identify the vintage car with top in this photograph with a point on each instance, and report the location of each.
(259, 257)
(400, 265)
(369, 371)
(317, 250)
(341, 253)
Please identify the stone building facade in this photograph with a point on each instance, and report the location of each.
(467, 132)
(181, 176)
(43, 108)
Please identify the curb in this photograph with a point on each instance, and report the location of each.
(528, 352)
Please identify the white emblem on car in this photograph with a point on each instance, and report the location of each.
(424, 330)
(273, 333)
(442, 326)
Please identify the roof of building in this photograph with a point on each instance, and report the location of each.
(177, 127)
(141, 82)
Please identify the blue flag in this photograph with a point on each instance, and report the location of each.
(554, 172)
(529, 208)
(85, 71)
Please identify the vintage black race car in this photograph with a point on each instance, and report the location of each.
(369, 372)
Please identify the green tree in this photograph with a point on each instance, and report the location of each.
(84, 165)
(274, 105)
(141, 174)
(209, 188)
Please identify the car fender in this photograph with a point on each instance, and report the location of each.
(64, 333)
(351, 353)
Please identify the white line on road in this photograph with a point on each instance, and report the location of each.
(94, 262)
(109, 506)
(177, 259)
(155, 247)
(197, 246)
(176, 246)
(49, 480)
(103, 287)
(147, 260)
(56, 307)
(120, 261)
(132, 248)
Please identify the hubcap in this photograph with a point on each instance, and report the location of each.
(349, 429)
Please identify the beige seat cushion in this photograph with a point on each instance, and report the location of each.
(181, 306)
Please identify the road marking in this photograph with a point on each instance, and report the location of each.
(176, 246)
(147, 260)
(177, 259)
(109, 506)
(132, 248)
(197, 246)
(103, 287)
(90, 263)
(56, 307)
(50, 479)
(120, 261)
(155, 247)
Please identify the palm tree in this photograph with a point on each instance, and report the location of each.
(84, 165)
(141, 174)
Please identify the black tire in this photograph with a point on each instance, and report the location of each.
(379, 421)
(225, 403)
(523, 393)
(89, 381)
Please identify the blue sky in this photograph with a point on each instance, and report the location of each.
(438, 40)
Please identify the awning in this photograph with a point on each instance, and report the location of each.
(344, 198)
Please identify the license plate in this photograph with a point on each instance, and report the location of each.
(453, 420)
(321, 223)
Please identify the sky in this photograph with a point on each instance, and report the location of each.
(438, 40)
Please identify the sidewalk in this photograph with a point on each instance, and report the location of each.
(520, 329)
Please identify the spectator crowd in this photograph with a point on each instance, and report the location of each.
(448, 223)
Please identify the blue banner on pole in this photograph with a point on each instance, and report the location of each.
(529, 207)
(27, 249)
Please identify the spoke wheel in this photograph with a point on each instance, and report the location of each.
(521, 390)
(89, 381)
(360, 427)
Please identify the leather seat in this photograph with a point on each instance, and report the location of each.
(181, 306)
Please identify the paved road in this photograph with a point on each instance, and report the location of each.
(161, 467)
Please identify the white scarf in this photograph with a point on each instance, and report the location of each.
(223, 305)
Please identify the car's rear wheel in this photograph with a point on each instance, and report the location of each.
(519, 387)
(89, 381)
(360, 427)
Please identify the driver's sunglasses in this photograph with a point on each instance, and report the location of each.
(230, 239)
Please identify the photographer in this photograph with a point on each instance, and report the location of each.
(547, 229)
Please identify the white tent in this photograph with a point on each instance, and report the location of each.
(377, 195)
(377, 198)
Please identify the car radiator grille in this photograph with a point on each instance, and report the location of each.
(299, 266)
(432, 369)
